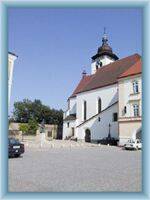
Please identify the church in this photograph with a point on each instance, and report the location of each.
(108, 102)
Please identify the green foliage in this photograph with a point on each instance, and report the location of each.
(24, 128)
(33, 126)
(26, 110)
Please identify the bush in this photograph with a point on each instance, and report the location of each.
(33, 126)
(24, 128)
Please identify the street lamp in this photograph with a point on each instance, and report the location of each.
(109, 135)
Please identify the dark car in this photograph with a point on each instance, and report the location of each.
(109, 140)
(15, 148)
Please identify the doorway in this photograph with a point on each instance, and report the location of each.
(87, 135)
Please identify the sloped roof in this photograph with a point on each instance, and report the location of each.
(83, 82)
(70, 117)
(97, 114)
(107, 75)
(133, 70)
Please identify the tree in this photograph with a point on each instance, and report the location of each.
(33, 126)
(26, 110)
(24, 128)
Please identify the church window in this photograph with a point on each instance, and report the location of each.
(101, 64)
(84, 110)
(68, 125)
(125, 110)
(99, 105)
(96, 67)
(135, 87)
(99, 119)
(115, 117)
(136, 110)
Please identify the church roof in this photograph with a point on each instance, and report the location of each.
(108, 74)
(134, 70)
(83, 82)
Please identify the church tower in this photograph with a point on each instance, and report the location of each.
(104, 55)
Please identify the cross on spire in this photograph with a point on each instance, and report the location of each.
(104, 38)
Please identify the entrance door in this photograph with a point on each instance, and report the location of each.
(87, 135)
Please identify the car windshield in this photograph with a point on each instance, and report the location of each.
(13, 141)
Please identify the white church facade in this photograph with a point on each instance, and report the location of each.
(95, 107)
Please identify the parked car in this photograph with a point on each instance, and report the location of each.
(15, 148)
(133, 144)
(108, 140)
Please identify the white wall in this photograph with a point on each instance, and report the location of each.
(105, 61)
(108, 96)
(67, 131)
(128, 124)
(11, 59)
(71, 107)
(126, 96)
(100, 129)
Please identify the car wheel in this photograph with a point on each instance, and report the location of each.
(17, 155)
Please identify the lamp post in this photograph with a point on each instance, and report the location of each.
(109, 135)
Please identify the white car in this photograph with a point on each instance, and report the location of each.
(133, 144)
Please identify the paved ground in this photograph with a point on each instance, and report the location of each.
(84, 168)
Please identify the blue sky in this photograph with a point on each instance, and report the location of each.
(55, 45)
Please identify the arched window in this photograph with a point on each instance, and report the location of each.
(99, 104)
(84, 110)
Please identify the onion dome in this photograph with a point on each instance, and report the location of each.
(105, 49)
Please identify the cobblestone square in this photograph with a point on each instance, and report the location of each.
(81, 169)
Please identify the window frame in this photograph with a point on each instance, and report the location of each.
(68, 124)
(135, 87)
(115, 117)
(136, 111)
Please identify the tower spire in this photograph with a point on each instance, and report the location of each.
(104, 38)
(104, 30)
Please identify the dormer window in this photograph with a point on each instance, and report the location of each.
(135, 87)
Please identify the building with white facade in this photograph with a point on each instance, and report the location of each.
(11, 59)
(130, 103)
(93, 107)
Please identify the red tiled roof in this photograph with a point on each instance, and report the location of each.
(106, 75)
(83, 82)
(133, 70)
